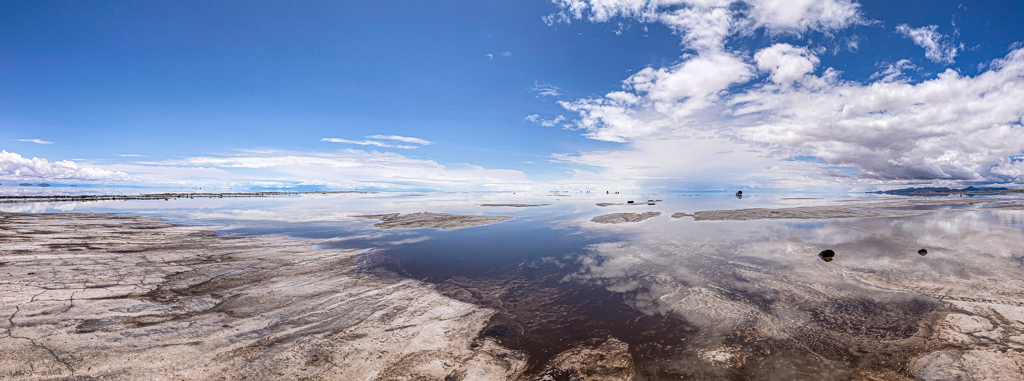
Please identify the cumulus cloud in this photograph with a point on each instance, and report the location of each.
(778, 104)
(937, 47)
(14, 166)
(545, 89)
(799, 16)
(786, 63)
(36, 141)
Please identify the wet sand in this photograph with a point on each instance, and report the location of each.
(98, 296)
(618, 218)
(102, 296)
(902, 208)
(430, 220)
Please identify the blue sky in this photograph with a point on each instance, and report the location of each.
(511, 95)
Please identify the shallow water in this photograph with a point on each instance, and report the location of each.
(693, 299)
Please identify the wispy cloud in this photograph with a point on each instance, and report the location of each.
(130, 155)
(347, 169)
(36, 141)
(368, 143)
(506, 54)
(546, 122)
(405, 139)
(545, 89)
(937, 47)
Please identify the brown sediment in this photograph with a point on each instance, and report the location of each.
(551, 320)
(430, 220)
(553, 323)
(618, 218)
(609, 361)
(863, 210)
(112, 297)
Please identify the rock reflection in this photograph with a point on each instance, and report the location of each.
(874, 312)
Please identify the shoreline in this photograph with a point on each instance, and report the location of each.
(87, 295)
(90, 293)
(156, 196)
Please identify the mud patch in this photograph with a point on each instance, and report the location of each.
(431, 220)
(618, 218)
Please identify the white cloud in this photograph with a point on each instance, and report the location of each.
(799, 16)
(490, 56)
(546, 122)
(706, 23)
(36, 141)
(343, 169)
(367, 143)
(506, 54)
(894, 72)
(786, 63)
(14, 166)
(698, 78)
(545, 89)
(937, 47)
(949, 128)
(405, 139)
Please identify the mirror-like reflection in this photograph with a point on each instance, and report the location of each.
(760, 299)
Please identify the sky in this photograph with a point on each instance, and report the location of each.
(537, 95)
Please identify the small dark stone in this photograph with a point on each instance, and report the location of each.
(827, 255)
(922, 251)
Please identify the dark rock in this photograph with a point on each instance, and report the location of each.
(827, 255)
(922, 252)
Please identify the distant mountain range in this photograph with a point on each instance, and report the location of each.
(946, 191)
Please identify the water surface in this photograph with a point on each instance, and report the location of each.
(693, 299)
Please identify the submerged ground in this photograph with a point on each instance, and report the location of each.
(508, 286)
